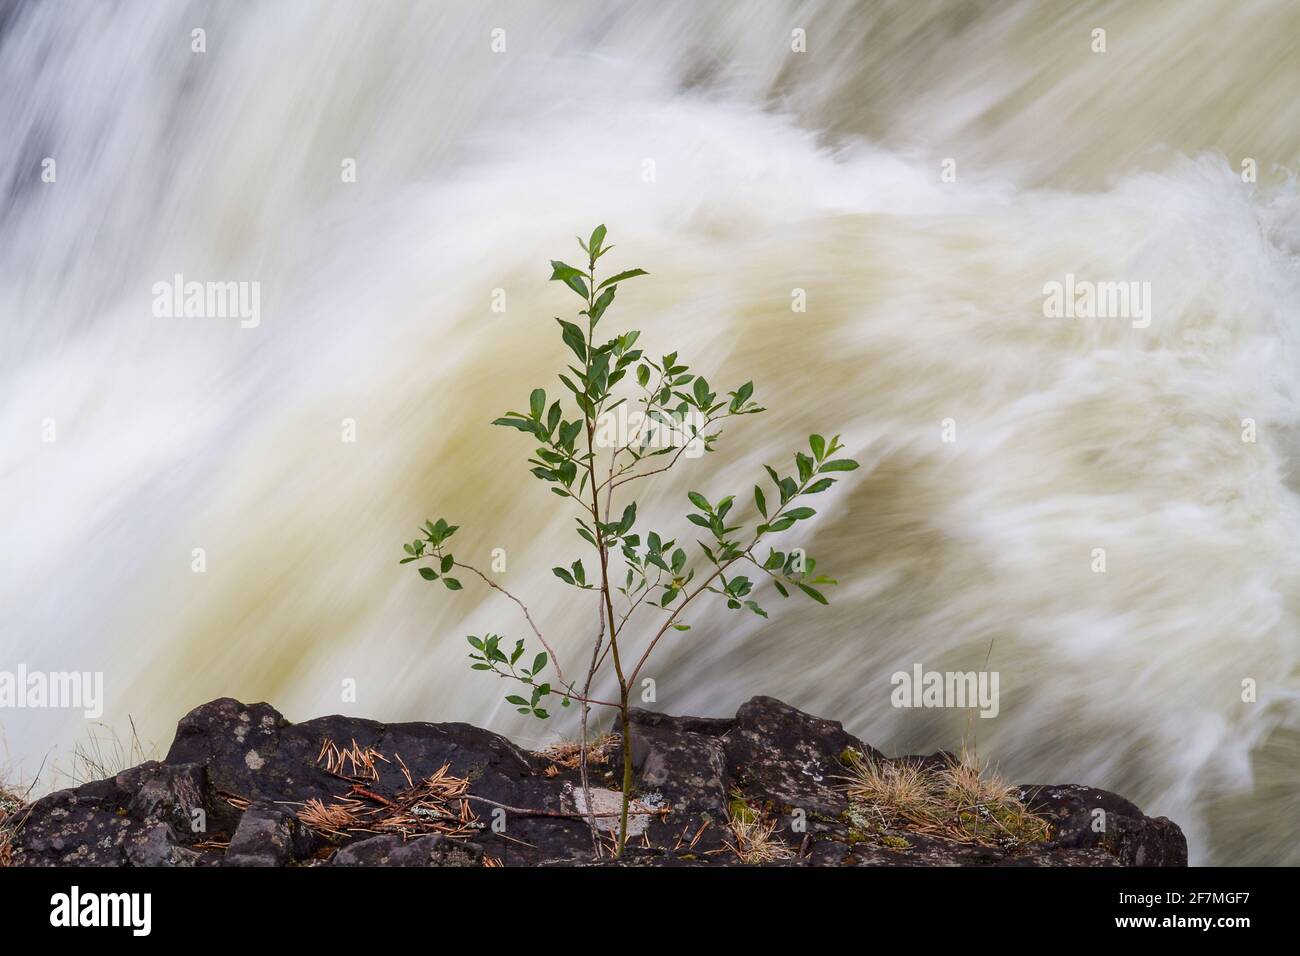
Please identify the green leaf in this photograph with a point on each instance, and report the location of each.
(805, 465)
(813, 593)
(818, 446)
(570, 276)
(839, 464)
(537, 403)
(798, 514)
(700, 501)
(523, 424)
(451, 583)
(428, 574)
(760, 501)
(630, 274)
(563, 575)
(701, 390)
(576, 341)
(597, 237)
(539, 663)
(629, 517)
(562, 270)
(516, 700)
(601, 304)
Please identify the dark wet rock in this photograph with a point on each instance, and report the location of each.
(231, 786)
(268, 837)
(144, 816)
(687, 768)
(1085, 817)
(681, 762)
(172, 794)
(791, 759)
(155, 845)
(707, 726)
(386, 850)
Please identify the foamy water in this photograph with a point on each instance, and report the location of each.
(773, 171)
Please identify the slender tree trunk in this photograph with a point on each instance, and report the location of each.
(582, 757)
(602, 551)
(627, 771)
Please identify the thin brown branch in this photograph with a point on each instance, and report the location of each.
(718, 569)
(565, 814)
(646, 474)
(583, 756)
(559, 671)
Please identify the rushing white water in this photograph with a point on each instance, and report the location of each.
(773, 170)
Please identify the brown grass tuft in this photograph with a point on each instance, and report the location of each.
(13, 812)
(104, 754)
(963, 801)
(754, 839)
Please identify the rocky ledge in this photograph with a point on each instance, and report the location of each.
(242, 786)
